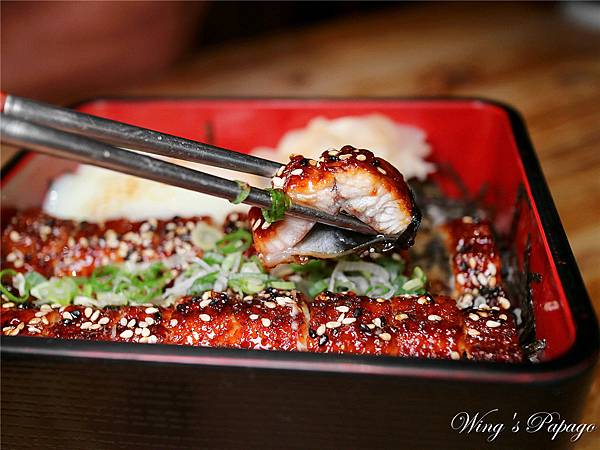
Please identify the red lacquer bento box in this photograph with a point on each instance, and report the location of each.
(71, 394)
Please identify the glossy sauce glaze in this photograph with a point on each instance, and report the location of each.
(349, 180)
(418, 326)
(34, 241)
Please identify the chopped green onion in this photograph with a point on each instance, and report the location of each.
(280, 203)
(205, 236)
(243, 194)
(318, 287)
(9, 295)
(32, 279)
(203, 283)
(238, 241)
(212, 258)
(284, 285)
(56, 290)
(247, 283)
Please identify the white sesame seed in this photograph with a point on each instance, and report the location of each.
(504, 303)
(266, 322)
(33, 330)
(296, 172)
(491, 268)
(142, 324)
(493, 324)
(146, 332)
(361, 157)
(321, 330)
(95, 315)
(371, 326)
(385, 336)
(45, 320)
(472, 262)
(14, 236)
(40, 313)
(380, 300)
(342, 309)
(474, 280)
(206, 295)
(104, 321)
(173, 322)
(123, 322)
(401, 316)
(95, 326)
(472, 332)
(492, 282)
(131, 323)
(422, 300)
(482, 314)
(332, 324)
(151, 310)
(86, 325)
(46, 308)
(205, 303)
(434, 317)
(474, 317)
(256, 225)
(503, 317)
(265, 225)
(149, 320)
(382, 171)
(270, 305)
(67, 315)
(204, 317)
(8, 305)
(455, 355)
(88, 312)
(126, 334)
(35, 320)
(253, 316)
(349, 320)
(482, 279)
(460, 279)
(277, 182)
(152, 339)
(377, 321)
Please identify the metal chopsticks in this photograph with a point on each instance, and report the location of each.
(137, 138)
(19, 132)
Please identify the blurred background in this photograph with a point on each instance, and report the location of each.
(543, 58)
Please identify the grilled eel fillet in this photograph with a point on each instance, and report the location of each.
(462, 260)
(54, 247)
(419, 326)
(475, 263)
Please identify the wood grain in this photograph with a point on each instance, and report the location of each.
(530, 56)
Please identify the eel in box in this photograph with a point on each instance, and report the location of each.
(418, 326)
(55, 247)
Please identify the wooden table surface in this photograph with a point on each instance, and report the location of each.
(530, 56)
